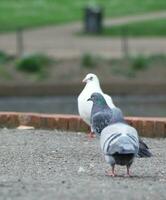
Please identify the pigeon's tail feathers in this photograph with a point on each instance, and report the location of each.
(143, 149)
(144, 153)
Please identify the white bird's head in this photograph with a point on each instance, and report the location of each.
(90, 78)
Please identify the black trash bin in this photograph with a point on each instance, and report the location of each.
(93, 19)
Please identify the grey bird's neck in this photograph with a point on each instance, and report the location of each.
(97, 107)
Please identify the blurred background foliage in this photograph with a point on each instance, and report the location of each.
(31, 13)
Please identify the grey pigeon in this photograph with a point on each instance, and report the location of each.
(120, 144)
(102, 115)
(119, 141)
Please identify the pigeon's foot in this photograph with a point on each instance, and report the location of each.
(108, 173)
(111, 172)
(91, 135)
(127, 175)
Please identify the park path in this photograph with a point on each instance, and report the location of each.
(62, 41)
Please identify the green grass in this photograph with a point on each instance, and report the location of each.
(31, 13)
(145, 28)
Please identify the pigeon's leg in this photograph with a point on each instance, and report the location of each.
(128, 170)
(111, 172)
(91, 135)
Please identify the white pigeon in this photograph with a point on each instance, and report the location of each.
(84, 106)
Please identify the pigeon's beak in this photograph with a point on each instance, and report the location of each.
(90, 99)
(84, 80)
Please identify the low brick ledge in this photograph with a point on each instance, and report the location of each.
(146, 126)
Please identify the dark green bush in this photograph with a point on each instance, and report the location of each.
(3, 57)
(139, 63)
(88, 61)
(32, 63)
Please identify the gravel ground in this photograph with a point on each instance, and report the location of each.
(40, 164)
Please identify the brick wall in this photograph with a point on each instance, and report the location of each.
(148, 127)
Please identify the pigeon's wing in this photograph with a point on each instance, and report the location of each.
(100, 120)
(143, 149)
(117, 115)
(84, 106)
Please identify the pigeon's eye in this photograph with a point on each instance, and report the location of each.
(91, 78)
